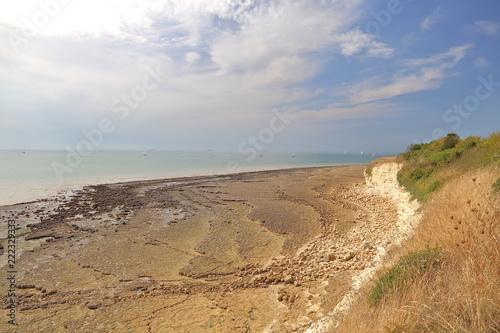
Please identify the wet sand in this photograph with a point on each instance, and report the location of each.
(236, 253)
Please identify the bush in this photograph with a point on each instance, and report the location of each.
(468, 143)
(415, 147)
(443, 157)
(406, 269)
(450, 141)
(417, 174)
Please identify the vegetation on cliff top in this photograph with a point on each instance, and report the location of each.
(448, 276)
(427, 166)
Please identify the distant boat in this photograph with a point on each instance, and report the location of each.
(24, 151)
(293, 155)
(345, 152)
(373, 155)
(361, 153)
(145, 153)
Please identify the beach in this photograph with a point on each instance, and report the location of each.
(268, 251)
(41, 174)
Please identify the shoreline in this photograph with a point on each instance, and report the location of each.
(64, 192)
(275, 250)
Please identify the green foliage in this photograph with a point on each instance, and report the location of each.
(432, 187)
(403, 272)
(415, 147)
(368, 172)
(468, 143)
(427, 166)
(496, 185)
(450, 141)
(442, 157)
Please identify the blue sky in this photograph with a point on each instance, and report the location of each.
(190, 74)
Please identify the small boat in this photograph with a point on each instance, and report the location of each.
(145, 153)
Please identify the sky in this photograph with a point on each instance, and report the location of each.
(230, 74)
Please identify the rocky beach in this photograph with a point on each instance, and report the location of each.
(273, 251)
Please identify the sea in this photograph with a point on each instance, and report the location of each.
(27, 176)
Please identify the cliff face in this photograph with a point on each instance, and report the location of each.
(383, 182)
(392, 219)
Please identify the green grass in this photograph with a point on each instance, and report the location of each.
(403, 272)
(427, 166)
(496, 185)
(368, 172)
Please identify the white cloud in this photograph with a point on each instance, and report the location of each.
(488, 27)
(228, 60)
(481, 62)
(338, 111)
(275, 30)
(432, 19)
(192, 57)
(355, 41)
(456, 53)
(418, 75)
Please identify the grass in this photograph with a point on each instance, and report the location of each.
(455, 289)
(496, 186)
(368, 172)
(426, 167)
(460, 292)
(408, 268)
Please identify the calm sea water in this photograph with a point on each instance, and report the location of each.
(31, 175)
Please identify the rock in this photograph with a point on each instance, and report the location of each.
(288, 279)
(330, 257)
(26, 286)
(39, 234)
(350, 256)
(258, 278)
(93, 306)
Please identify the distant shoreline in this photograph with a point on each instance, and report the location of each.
(64, 191)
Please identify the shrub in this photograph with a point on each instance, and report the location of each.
(450, 141)
(468, 143)
(443, 157)
(415, 147)
(404, 271)
(417, 174)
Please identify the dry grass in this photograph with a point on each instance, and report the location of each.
(461, 293)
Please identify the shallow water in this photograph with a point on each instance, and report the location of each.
(39, 174)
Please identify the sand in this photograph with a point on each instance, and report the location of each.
(272, 251)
